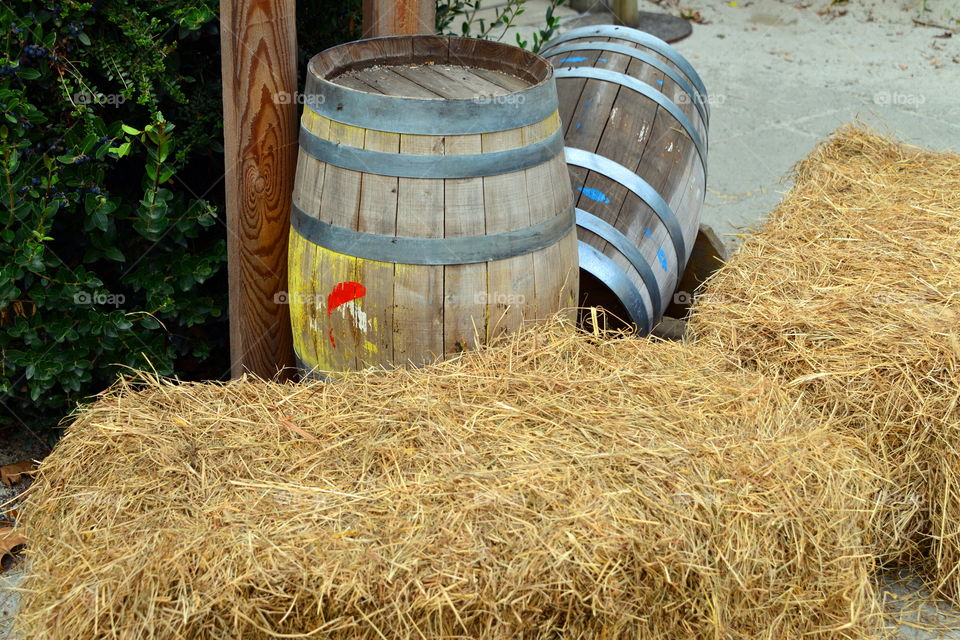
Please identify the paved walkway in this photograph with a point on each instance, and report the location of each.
(783, 74)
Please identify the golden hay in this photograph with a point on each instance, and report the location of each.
(553, 486)
(850, 294)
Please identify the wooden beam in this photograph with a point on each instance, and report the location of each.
(627, 12)
(398, 17)
(258, 43)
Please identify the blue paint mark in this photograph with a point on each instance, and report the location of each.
(603, 60)
(578, 125)
(594, 194)
(587, 104)
(660, 82)
(572, 60)
(647, 233)
(662, 257)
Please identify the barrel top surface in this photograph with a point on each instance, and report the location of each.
(431, 80)
(424, 93)
(436, 54)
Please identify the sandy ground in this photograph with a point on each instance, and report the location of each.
(10, 579)
(783, 74)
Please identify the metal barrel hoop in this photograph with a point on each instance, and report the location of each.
(432, 251)
(426, 116)
(606, 270)
(640, 188)
(646, 90)
(611, 234)
(637, 37)
(431, 166)
(698, 99)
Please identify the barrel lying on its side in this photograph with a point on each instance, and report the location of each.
(635, 115)
(432, 207)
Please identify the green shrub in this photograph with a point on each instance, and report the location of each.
(111, 254)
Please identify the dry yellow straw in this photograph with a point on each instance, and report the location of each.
(553, 486)
(850, 295)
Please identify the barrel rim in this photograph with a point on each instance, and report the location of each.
(532, 62)
(434, 116)
(603, 268)
(603, 229)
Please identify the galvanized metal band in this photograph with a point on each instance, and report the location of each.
(620, 174)
(606, 271)
(644, 89)
(405, 165)
(696, 98)
(637, 37)
(629, 250)
(426, 116)
(432, 251)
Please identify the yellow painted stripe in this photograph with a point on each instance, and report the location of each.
(308, 284)
(328, 129)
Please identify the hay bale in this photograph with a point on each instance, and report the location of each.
(553, 486)
(850, 295)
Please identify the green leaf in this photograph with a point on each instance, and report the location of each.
(99, 220)
(114, 253)
(28, 74)
(84, 38)
(130, 130)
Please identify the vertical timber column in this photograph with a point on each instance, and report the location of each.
(258, 44)
(627, 12)
(399, 17)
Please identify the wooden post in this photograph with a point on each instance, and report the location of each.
(627, 12)
(258, 43)
(398, 17)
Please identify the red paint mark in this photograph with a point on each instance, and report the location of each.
(343, 293)
(332, 341)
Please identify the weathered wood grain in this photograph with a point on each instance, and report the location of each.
(258, 40)
(398, 17)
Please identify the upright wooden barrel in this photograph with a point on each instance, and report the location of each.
(635, 115)
(432, 207)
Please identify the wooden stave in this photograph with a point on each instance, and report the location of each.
(528, 275)
(686, 202)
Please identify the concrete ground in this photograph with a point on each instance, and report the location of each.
(783, 74)
(10, 579)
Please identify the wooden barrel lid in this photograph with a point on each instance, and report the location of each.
(432, 80)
